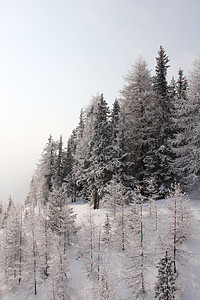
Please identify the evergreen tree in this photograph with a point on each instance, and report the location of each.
(82, 149)
(181, 86)
(117, 157)
(165, 287)
(163, 154)
(115, 195)
(59, 165)
(140, 124)
(12, 252)
(181, 138)
(69, 163)
(190, 157)
(96, 162)
(46, 169)
(61, 218)
(9, 209)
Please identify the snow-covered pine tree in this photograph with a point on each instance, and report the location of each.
(181, 86)
(68, 162)
(182, 135)
(163, 155)
(10, 207)
(59, 165)
(140, 121)
(46, 169)
(192, 156)
(96, 169)
(12, 247)
(115, 195)
(61, 218)
(117, 156)
(165, 286)
(84, 136)
(32, 198)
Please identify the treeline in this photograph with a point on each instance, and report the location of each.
(151, 133)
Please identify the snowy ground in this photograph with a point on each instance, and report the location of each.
(189, 271)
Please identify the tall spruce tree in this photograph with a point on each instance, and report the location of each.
(140, 117)
(46, 169)
(192, 162)
(163, 153)
(97, 170)
(81, 162)
(181, 137)
(116, 161)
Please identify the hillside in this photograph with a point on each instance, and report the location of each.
(111, 263)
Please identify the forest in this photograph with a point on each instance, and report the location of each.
(132, 166)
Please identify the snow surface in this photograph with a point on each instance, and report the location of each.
(82, 289)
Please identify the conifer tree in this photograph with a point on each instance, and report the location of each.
(182, 136)
(12, 252)
(163, 153)
(81, 158)
(116, 160)
(190, 155)
(140, 122)
(59, 165)
(61, 218)
(46, 169)
(165, 286)
(96, 162)
(115, 195)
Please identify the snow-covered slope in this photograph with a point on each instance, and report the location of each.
(114, 260)
(188, 282)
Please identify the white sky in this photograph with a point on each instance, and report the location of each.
(56, 54)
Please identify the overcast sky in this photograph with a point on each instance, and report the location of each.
(56, 54)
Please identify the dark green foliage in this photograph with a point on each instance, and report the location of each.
(97, 157)
(165, 286)
(163, 154)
